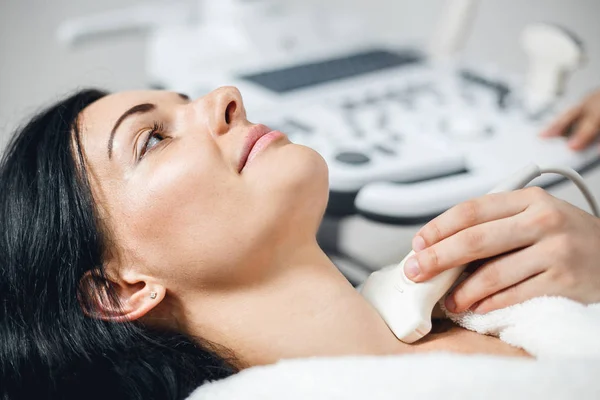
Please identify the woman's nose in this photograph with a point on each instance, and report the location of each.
(227, 109)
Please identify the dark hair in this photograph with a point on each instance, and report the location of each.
(50, 238)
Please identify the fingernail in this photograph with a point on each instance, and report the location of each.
(418, 243)
(450, 303)
(411, 268)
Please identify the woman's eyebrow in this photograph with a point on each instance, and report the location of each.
(139, 109)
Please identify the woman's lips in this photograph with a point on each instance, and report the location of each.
(263, 142)
(259, 137)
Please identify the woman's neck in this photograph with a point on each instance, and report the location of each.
(306, 308)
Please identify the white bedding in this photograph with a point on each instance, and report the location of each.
(431, 376)
(562, 334)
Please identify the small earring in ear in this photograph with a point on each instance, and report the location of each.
(152, 295)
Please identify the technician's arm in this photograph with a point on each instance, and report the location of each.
(585, 119)
(540, 246)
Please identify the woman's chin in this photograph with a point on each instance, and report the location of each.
(288, 165)
(292, 179)
(305, 170)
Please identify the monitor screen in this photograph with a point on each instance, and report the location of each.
(305, 75)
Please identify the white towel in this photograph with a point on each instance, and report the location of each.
(434, 376)
(562, 334)
(543, 326)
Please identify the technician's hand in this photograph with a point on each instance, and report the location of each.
(541, 246)
(585, 119)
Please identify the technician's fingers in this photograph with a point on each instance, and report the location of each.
(471, 213)
(561, 124)
(494, 276)
(536, 286)
(587, 130)
(481, 241)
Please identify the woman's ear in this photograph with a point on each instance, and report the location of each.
(125, 298)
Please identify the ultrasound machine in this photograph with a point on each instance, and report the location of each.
(407, 131)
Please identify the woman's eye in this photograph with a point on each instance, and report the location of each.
(153, 140)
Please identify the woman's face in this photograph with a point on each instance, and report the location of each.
(180, 201)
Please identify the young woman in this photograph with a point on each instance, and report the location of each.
(150, 242)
